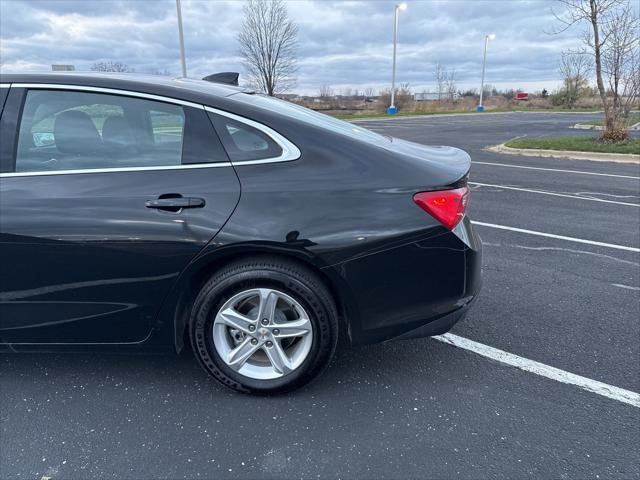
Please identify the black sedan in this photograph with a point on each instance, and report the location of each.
(142, 213)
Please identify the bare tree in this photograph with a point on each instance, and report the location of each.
(268, 45)
(621, 62)
(599, 18)
(403, 97)
(440, 74)
(489, 90)
(445, 82)
(111, 66)
(574, 69)
(450, 84)
(325, 92)
(369, 92)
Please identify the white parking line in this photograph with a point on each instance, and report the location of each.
(544, 192)
(556, 170)
(626, 287)
(557, 237)
(600, 388)
(558, 249)
(384, 128)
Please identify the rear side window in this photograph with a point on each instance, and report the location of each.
(66, 130)
(244, 142)
(4, 91)
(312, 117)
(167, 126)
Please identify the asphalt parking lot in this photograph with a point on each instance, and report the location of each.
(407, 409)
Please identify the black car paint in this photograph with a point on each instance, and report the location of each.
(3, 97)
(344, 208)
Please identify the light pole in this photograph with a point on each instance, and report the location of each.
(392, 110)
(181, 39)
(491, 36)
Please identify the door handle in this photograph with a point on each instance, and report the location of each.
(175, 204)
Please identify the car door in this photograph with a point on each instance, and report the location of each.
(104, 199)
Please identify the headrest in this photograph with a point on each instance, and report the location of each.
(75, 133)
(116, 133)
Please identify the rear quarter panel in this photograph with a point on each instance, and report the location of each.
(347, 207)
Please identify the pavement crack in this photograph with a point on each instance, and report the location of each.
(570, 250)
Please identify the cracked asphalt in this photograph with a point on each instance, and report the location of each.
(405, 409)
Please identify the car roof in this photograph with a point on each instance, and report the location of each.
(180, 88)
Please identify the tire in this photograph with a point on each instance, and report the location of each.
(258, 282)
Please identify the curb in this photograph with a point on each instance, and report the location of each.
(432, 115)
(568, 154)
(584, 126)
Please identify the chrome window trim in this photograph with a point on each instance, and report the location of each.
(112, 91)
(5, 85)
(290, 151)
(115, 169)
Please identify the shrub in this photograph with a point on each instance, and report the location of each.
(615, 131)
(559, 98)
(403, 100)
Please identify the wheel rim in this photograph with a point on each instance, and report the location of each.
(262, 333)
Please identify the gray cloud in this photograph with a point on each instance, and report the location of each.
(342, 43)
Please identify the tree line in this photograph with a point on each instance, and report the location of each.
(610, 51)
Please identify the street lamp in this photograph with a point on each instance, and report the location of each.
(392, 110)
(491, 36)
(181, 39)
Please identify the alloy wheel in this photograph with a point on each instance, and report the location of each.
(262, 333)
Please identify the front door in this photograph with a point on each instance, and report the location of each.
(105, 201)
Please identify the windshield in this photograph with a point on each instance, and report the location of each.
(312, 117)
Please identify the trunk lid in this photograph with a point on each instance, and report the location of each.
(443, 167)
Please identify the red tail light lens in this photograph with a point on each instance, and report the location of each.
(446, 206)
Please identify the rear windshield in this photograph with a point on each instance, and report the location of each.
(311, 117)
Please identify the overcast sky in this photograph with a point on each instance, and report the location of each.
(342, 43)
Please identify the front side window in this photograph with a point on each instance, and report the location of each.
(66, 130)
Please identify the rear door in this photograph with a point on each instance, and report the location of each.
(104, 198)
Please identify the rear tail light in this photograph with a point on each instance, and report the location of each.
(446, 206)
